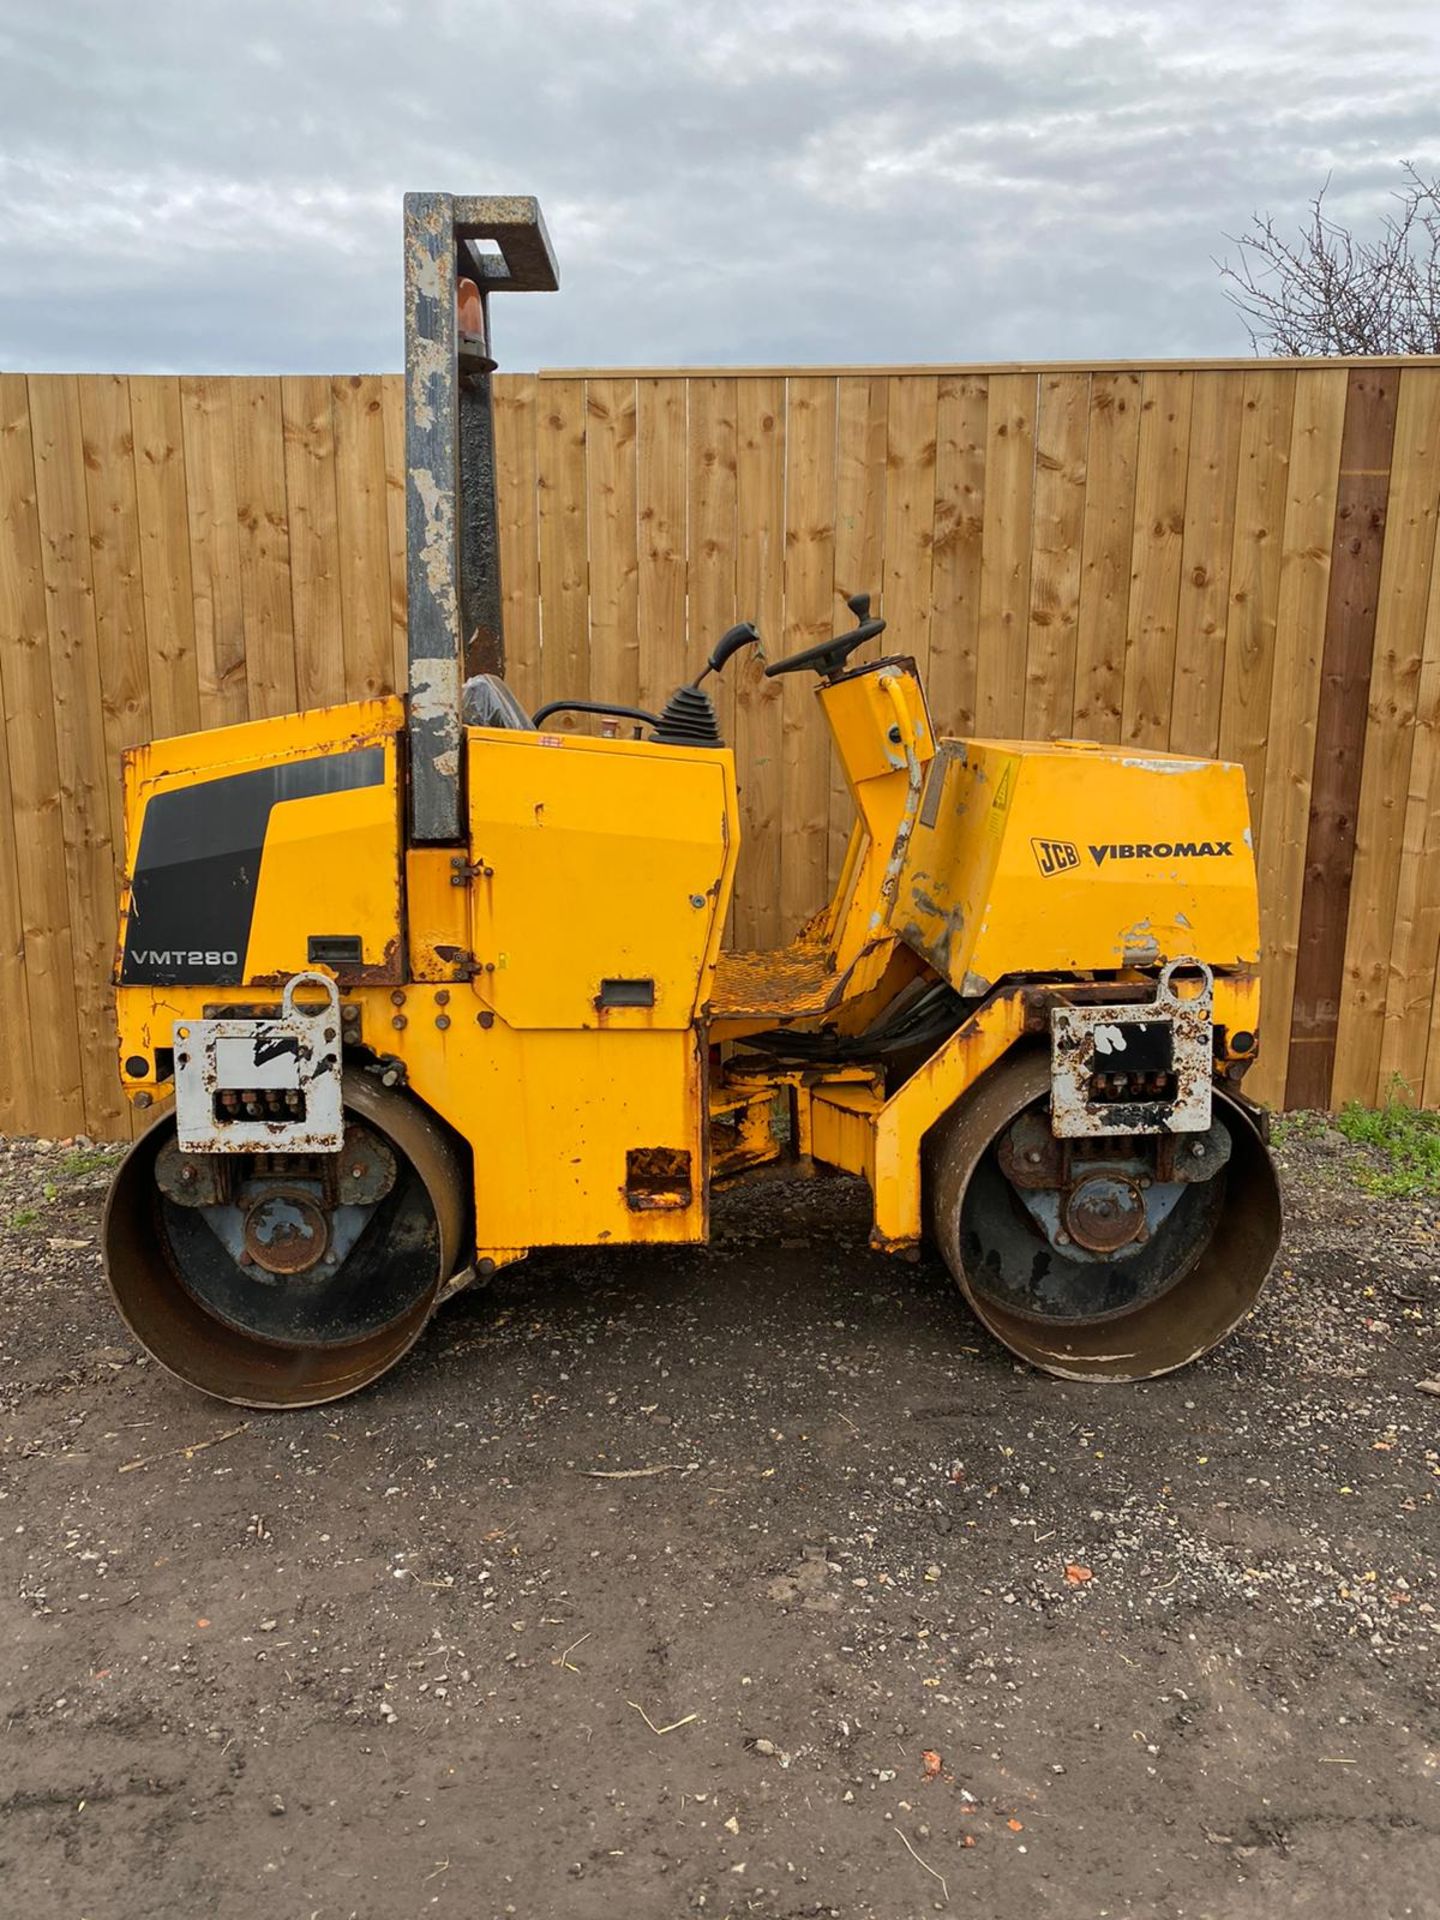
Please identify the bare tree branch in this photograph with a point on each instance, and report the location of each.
(1325, 291)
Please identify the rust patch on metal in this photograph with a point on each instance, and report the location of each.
(376, 973)
(905, 1247)
(915, 777)
(658, 1179)
(1105, 1211)
(193, 1180)
(285, 1231)
(384, 972)
(463, 961)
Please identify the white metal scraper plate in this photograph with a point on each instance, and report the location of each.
(296, 1053)
(1085, 1040)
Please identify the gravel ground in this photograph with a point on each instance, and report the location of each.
(866, 1621)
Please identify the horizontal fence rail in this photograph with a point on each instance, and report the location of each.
(1237, 559)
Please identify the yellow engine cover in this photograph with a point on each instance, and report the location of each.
(1071, 857)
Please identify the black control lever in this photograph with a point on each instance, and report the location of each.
(689, 719)
(729, 644)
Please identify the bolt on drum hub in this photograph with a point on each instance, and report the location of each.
(285, 1232)
(1105, 1212)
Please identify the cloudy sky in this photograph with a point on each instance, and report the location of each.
(189, 186)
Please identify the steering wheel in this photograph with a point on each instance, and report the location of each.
(830, 656)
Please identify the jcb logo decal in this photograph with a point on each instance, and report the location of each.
(1056, 856)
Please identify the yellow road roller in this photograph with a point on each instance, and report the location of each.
(419, 985)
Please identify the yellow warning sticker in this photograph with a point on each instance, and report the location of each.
(1000, 805)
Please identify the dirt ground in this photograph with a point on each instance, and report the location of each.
(878, 1624)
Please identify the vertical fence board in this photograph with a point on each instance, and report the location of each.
(360, 494)
(116, 573)
(711, 599)
(1400, 622)
(1406, 1048)
(760, 589)
(517, 481)
(1057, 544)
(711, 540)
(1205, 556)
(610, 459)
(564, 569)
(809, 618)
(661, 504)
(214, 552)
(1112, 448)
(264, 519)
(85, 776)
(163, 526)
(42, 1054)
(1005, 555)
(1313, 479)
(1358, 546)
(1266, 405)
(862, 442)
(909, 510)
(16, 1071)
(122, 668)
(962, 405)
(1161, 470)
(314, 515)
(1428, 902)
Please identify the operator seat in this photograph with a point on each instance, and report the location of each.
(486, 701)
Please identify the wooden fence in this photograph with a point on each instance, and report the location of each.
(1235, 559)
